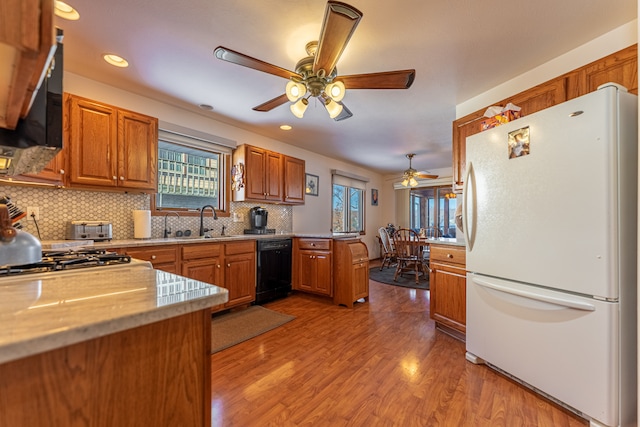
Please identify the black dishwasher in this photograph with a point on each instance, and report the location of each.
(273, 270)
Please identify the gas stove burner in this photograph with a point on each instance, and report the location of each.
(67, 260)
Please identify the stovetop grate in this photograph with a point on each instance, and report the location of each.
(67, 260)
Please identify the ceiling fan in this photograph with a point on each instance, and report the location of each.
(316, 75)
(410, 175)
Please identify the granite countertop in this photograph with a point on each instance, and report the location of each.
(446, 241)
(71, 244)
(45, 311)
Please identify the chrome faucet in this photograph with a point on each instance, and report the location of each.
(215, 216)
(167, 231)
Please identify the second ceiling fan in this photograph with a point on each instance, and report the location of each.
(316, 75)
(409, 176)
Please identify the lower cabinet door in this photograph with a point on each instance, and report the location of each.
(240, 278)
(448, 296)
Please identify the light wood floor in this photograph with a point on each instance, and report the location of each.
(381, 363)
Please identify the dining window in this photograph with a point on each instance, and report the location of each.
(434, 207)
(347, 203)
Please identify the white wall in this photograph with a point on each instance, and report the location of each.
(312, 217)
(602, 46)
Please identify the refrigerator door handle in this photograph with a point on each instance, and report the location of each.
(469, 223)
(563, 302)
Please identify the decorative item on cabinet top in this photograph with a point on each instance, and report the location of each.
(237, 176)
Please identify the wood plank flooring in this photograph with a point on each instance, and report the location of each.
(382, 363)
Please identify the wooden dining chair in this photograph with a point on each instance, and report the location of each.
(408, 254)
(389, 252)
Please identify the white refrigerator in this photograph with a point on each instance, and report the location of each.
(549, 214)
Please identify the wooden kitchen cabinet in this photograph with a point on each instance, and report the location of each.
(153, 375)
(312, 266)
(263, 174)
(447, 284)
(294, 180)
(240, 272)
(268, 176)
(165, 257)
(110, 147)
(351, 271)
(230, 265)
(620, 67)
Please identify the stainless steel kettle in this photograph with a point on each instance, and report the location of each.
(16, 247)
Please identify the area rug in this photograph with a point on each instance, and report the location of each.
(407, 281)
(233, 328)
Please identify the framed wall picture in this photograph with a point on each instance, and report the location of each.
(311, 186)
(374, 197)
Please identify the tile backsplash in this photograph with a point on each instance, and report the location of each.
(59, 206)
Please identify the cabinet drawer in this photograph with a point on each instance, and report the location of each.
(157, 255)
(243, 247)
(448, 254)
(200, 250)
(315, 244)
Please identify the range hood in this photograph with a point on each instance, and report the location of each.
(37, 137)
(27, 44)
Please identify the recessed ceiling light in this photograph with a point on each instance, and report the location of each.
(285, 127)
(206, 107)
(116, 60)
(65, 11)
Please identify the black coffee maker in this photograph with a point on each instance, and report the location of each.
(258, 221)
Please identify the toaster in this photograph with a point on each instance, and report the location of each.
(89, 230)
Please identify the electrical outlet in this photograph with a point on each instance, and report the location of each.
(33, 213)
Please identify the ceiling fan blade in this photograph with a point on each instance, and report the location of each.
(246, 61)
(272, 103)
(426, 176)
(344, 114)
(340, 21)
(401, 79)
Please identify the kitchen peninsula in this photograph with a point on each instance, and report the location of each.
(111, 345)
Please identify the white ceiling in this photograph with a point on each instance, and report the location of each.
(459, 49)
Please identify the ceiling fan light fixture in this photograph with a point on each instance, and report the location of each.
(295, 90)
(335, 91)
(299, 107)
(405, 182)
(413, 182)
(333, 108)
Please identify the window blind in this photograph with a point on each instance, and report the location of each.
(348, 179)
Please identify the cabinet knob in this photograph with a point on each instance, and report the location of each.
(449, 256)
(229, 265)
(153, 257)
(115, 178)
(218, 265)
(61, 171)
(313, 244)
(122, 178)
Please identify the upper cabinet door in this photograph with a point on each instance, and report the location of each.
(294, 175)
(93, 139)
(256, 163)
(621, 68)
(137, 150)
(273, 177)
